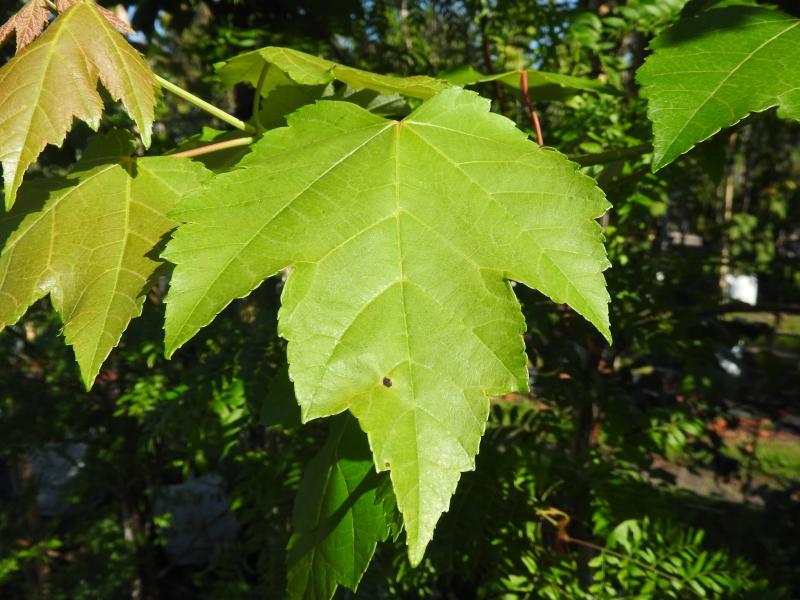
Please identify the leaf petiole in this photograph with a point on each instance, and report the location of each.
(203, 105)
(257, 95)
(537, 127)
(216, 147)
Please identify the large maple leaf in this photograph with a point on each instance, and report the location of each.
(711, 71)
(54, 80)
(401, 238)
(88, 240)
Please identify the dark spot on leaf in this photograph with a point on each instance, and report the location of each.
(387, 382)
(386, 464)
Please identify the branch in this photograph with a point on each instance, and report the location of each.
(790, 309)
(602, 158)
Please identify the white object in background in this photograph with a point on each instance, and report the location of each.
(743, 288)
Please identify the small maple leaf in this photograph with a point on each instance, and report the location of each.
(27, 23)
(118, 22)
(54, 81)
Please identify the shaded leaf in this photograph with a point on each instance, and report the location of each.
(306, 69)
(54, 80)
(401, 237)
(711, 71)
(283, 96)
(278, 407)
(27, 23)
(339, 516)
(385, 105)
(694, 7)
(86, 240)
(543, 86)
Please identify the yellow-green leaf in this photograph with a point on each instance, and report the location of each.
(711, 71)
(402, 237)
(54, 80)
(306, 69)
(88, 242)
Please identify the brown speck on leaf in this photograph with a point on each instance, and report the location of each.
(387, 382)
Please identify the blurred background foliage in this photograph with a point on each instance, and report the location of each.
(665, 466)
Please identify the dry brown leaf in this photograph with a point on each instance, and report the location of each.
(27, 24)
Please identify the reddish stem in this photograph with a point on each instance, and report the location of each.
(537, 127)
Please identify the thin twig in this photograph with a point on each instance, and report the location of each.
(216, 147)
(523, 81)
(560, 520)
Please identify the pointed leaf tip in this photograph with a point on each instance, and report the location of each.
(709, 72)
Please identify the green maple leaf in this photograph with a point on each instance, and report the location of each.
(282, 96)
(306, 69)
(543, 86)
(86, 240)
(402, 238)
(54, 79)
(280, 71)
(711, 71)
(339, 516)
